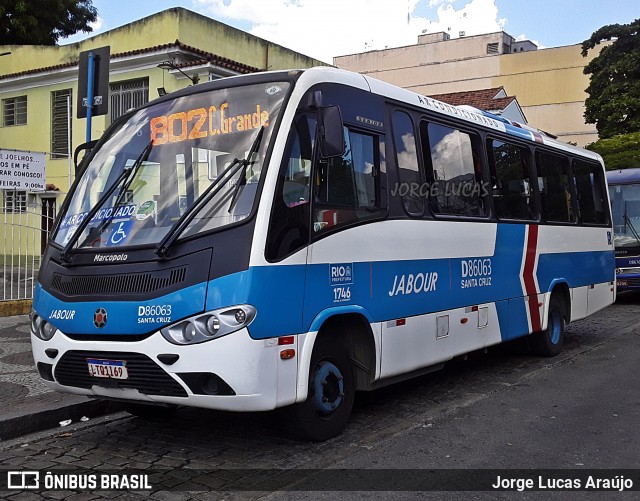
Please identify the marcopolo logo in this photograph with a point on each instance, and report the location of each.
(341, 273)
(110, 258)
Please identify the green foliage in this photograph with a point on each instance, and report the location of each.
(614, 89)
(619, 152)
(43, 22)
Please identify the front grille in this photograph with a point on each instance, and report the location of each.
(126, 283)
(144, 374)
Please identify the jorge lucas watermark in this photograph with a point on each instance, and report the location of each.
(470, 189)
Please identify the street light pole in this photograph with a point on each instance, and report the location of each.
(168, 65)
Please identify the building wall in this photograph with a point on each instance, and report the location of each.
(550, 86)
(548, 83)
(165, 27)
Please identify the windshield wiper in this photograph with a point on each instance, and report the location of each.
(627, 220)
(179, 226)
(246, 163)
(127, 174)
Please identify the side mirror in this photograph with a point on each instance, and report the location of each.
(331, 137)
(84, 146)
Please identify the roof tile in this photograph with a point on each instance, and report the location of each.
(484, 99)
(205, 57)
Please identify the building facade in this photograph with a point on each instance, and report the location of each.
(548, 83)
(154, 55)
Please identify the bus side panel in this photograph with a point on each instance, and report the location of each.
(439, 266)
(519, 318)
(600, 296)
(579, 303)
(577, 268)
(425, 340)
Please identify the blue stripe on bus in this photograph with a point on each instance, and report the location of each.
(577, 268)
(289, 299)
(123, 317)
(372, 283)
(519, 132)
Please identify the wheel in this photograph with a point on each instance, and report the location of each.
(325, 412)
(147, 411)
(548, 343)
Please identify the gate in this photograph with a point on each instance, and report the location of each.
(27, 220)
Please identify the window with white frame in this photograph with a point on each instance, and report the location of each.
(14, 111)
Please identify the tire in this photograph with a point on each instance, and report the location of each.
(325, 412)
(147, 411)
(548, 343)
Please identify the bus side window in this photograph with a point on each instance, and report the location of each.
(589, 181)
(511, 189)
(410, 176)
(456, 184)
(346, 189)
(289, 226)
(554, 182)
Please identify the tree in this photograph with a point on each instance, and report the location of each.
(614, 89)
(619, 152)
(43, 22)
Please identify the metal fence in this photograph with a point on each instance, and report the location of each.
(26, 227)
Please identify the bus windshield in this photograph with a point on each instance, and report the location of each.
(625, 210)
(154, 167)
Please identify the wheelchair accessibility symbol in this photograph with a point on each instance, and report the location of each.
(120, 234)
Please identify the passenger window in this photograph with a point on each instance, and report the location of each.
(346, 188)
(456, 175)
(511, 189)
(555, 189)
(409, 176)
(589, 181)
(289, 226)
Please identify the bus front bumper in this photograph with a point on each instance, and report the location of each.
(234, 372)
(628, 282)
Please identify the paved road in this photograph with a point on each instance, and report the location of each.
(495, 410)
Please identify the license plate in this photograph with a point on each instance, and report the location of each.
(621, 283)
(112, 369)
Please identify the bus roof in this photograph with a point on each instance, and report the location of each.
(330, 74)
(487, 119)
(624, 176)
(466, 113)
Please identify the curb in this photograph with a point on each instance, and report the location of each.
(15, 307)
(17, 426)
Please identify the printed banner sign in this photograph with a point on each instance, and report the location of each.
(22, 170)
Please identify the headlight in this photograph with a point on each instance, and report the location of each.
(210, 325)
(40, 327)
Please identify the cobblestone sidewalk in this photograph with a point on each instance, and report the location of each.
(27, 403)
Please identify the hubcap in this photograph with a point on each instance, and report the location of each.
(328, 388)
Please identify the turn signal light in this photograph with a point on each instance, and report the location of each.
(287, 354)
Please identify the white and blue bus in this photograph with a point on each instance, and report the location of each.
(624, 193)
(285, 239)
